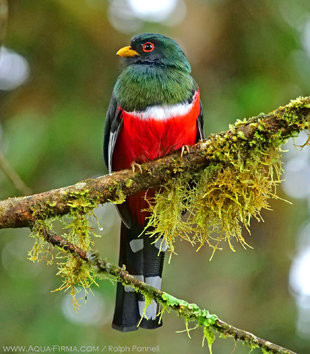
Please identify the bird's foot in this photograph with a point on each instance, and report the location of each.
(134, 165)
(183, 149)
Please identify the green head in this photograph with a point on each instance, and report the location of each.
(155, 49)
(157, 72)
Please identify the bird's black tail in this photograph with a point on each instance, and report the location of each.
(144, 260)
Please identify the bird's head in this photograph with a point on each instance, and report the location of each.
(155, 49)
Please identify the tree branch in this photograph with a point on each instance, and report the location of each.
(191, 312)
(275, 127)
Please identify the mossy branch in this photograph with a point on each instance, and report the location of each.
(190, 312)
(264, 130)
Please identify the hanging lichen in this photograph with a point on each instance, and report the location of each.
(220, 200)
(76, 274)
(188, 311)
(166, 213)
(40, 250)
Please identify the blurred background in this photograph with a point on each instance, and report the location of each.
(57, 71)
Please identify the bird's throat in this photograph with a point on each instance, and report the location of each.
(141, 86)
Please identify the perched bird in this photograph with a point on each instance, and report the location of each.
(155, 109)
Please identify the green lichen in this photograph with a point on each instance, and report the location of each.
(219, 200)
(223, 198)
(167, 207)
(147, 300)
(209, 335)
(252, 346)
(129, 183)
(119, 194)
(40, 249)
(75, 273)
(191, 312)
(164, 309)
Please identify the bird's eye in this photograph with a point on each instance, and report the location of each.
(148, 47)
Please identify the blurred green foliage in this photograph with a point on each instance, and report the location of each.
(248, 57)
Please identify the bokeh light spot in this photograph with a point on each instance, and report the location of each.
(153, 10)
(91, 311)
(14, 69)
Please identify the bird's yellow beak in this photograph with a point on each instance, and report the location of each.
(127, 52)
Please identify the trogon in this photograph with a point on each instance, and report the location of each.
(155, 109)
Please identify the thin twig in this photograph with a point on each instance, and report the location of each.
(7, 169)
(12, 175)
(3, 19)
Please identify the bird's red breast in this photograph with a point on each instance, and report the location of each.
(151, 134)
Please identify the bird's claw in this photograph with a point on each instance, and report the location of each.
(134, 165)
(183, 149)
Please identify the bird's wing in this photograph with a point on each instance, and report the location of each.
(200, 132)
(113, 126)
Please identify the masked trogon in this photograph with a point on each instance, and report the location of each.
(155, 109)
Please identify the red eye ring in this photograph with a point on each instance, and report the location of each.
(148, 47)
